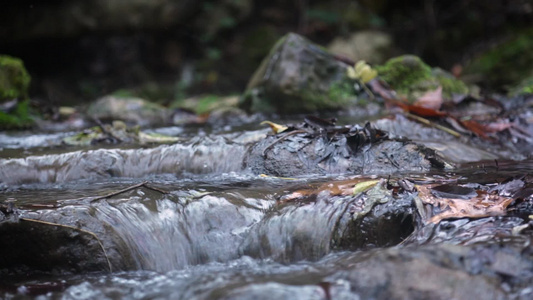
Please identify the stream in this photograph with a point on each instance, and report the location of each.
(190, 220)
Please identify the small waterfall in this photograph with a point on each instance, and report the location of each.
(200, 155)
(181, 231)
(298, 231)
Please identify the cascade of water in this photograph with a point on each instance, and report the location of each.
(200, 155)
(180, 232)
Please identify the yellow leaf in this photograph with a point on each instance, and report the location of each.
(350, 72)
(364, 186)
(362, 71)
(276, 128)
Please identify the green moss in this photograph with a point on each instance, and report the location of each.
(14, 79)
(450, 85)
(404, 73)
(18, 118)
(411, 77)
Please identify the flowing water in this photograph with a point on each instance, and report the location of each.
(196, 225)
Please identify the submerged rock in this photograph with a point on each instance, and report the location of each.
(297, 77)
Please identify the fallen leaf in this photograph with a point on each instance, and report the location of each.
(335, 188)
(364, 186)
(482, 205)
(431, 99)
(477, 128)
(276, 128)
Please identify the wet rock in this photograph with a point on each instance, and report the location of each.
(435, 272)
(361, 151)
(320, 221)
(135, 111)
(371, 46)
(298, 76)
(143, 229)
(32, 246)
(457, 150)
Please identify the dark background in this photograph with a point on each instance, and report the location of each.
(163, 50)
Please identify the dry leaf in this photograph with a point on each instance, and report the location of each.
(483, 205)
(343, 187)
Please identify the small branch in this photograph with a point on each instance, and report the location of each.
(120, 191)
(77, 229)
(153, 188)
(281, 139)
(428, 122)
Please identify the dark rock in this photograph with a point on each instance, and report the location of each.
(436, 272)
(301, 152)
(298, 76)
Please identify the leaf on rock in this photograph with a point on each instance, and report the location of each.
(482, 205)
(276, 128)
(335, 188)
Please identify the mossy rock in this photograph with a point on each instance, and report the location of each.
(298, 77)
(14, 83)
(17, 118)
(14, 79)
(412, 78)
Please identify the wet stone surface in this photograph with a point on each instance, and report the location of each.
(319, 211)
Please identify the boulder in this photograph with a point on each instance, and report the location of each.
(297, 77)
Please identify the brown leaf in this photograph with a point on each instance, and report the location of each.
(431, 99)
(477, 128)
(482, 205)
(334, 188)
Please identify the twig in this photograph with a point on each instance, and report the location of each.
(105, 131)
(428, 122)
(120, 191)
(281, 139)
(77, 229)
(153, 188)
